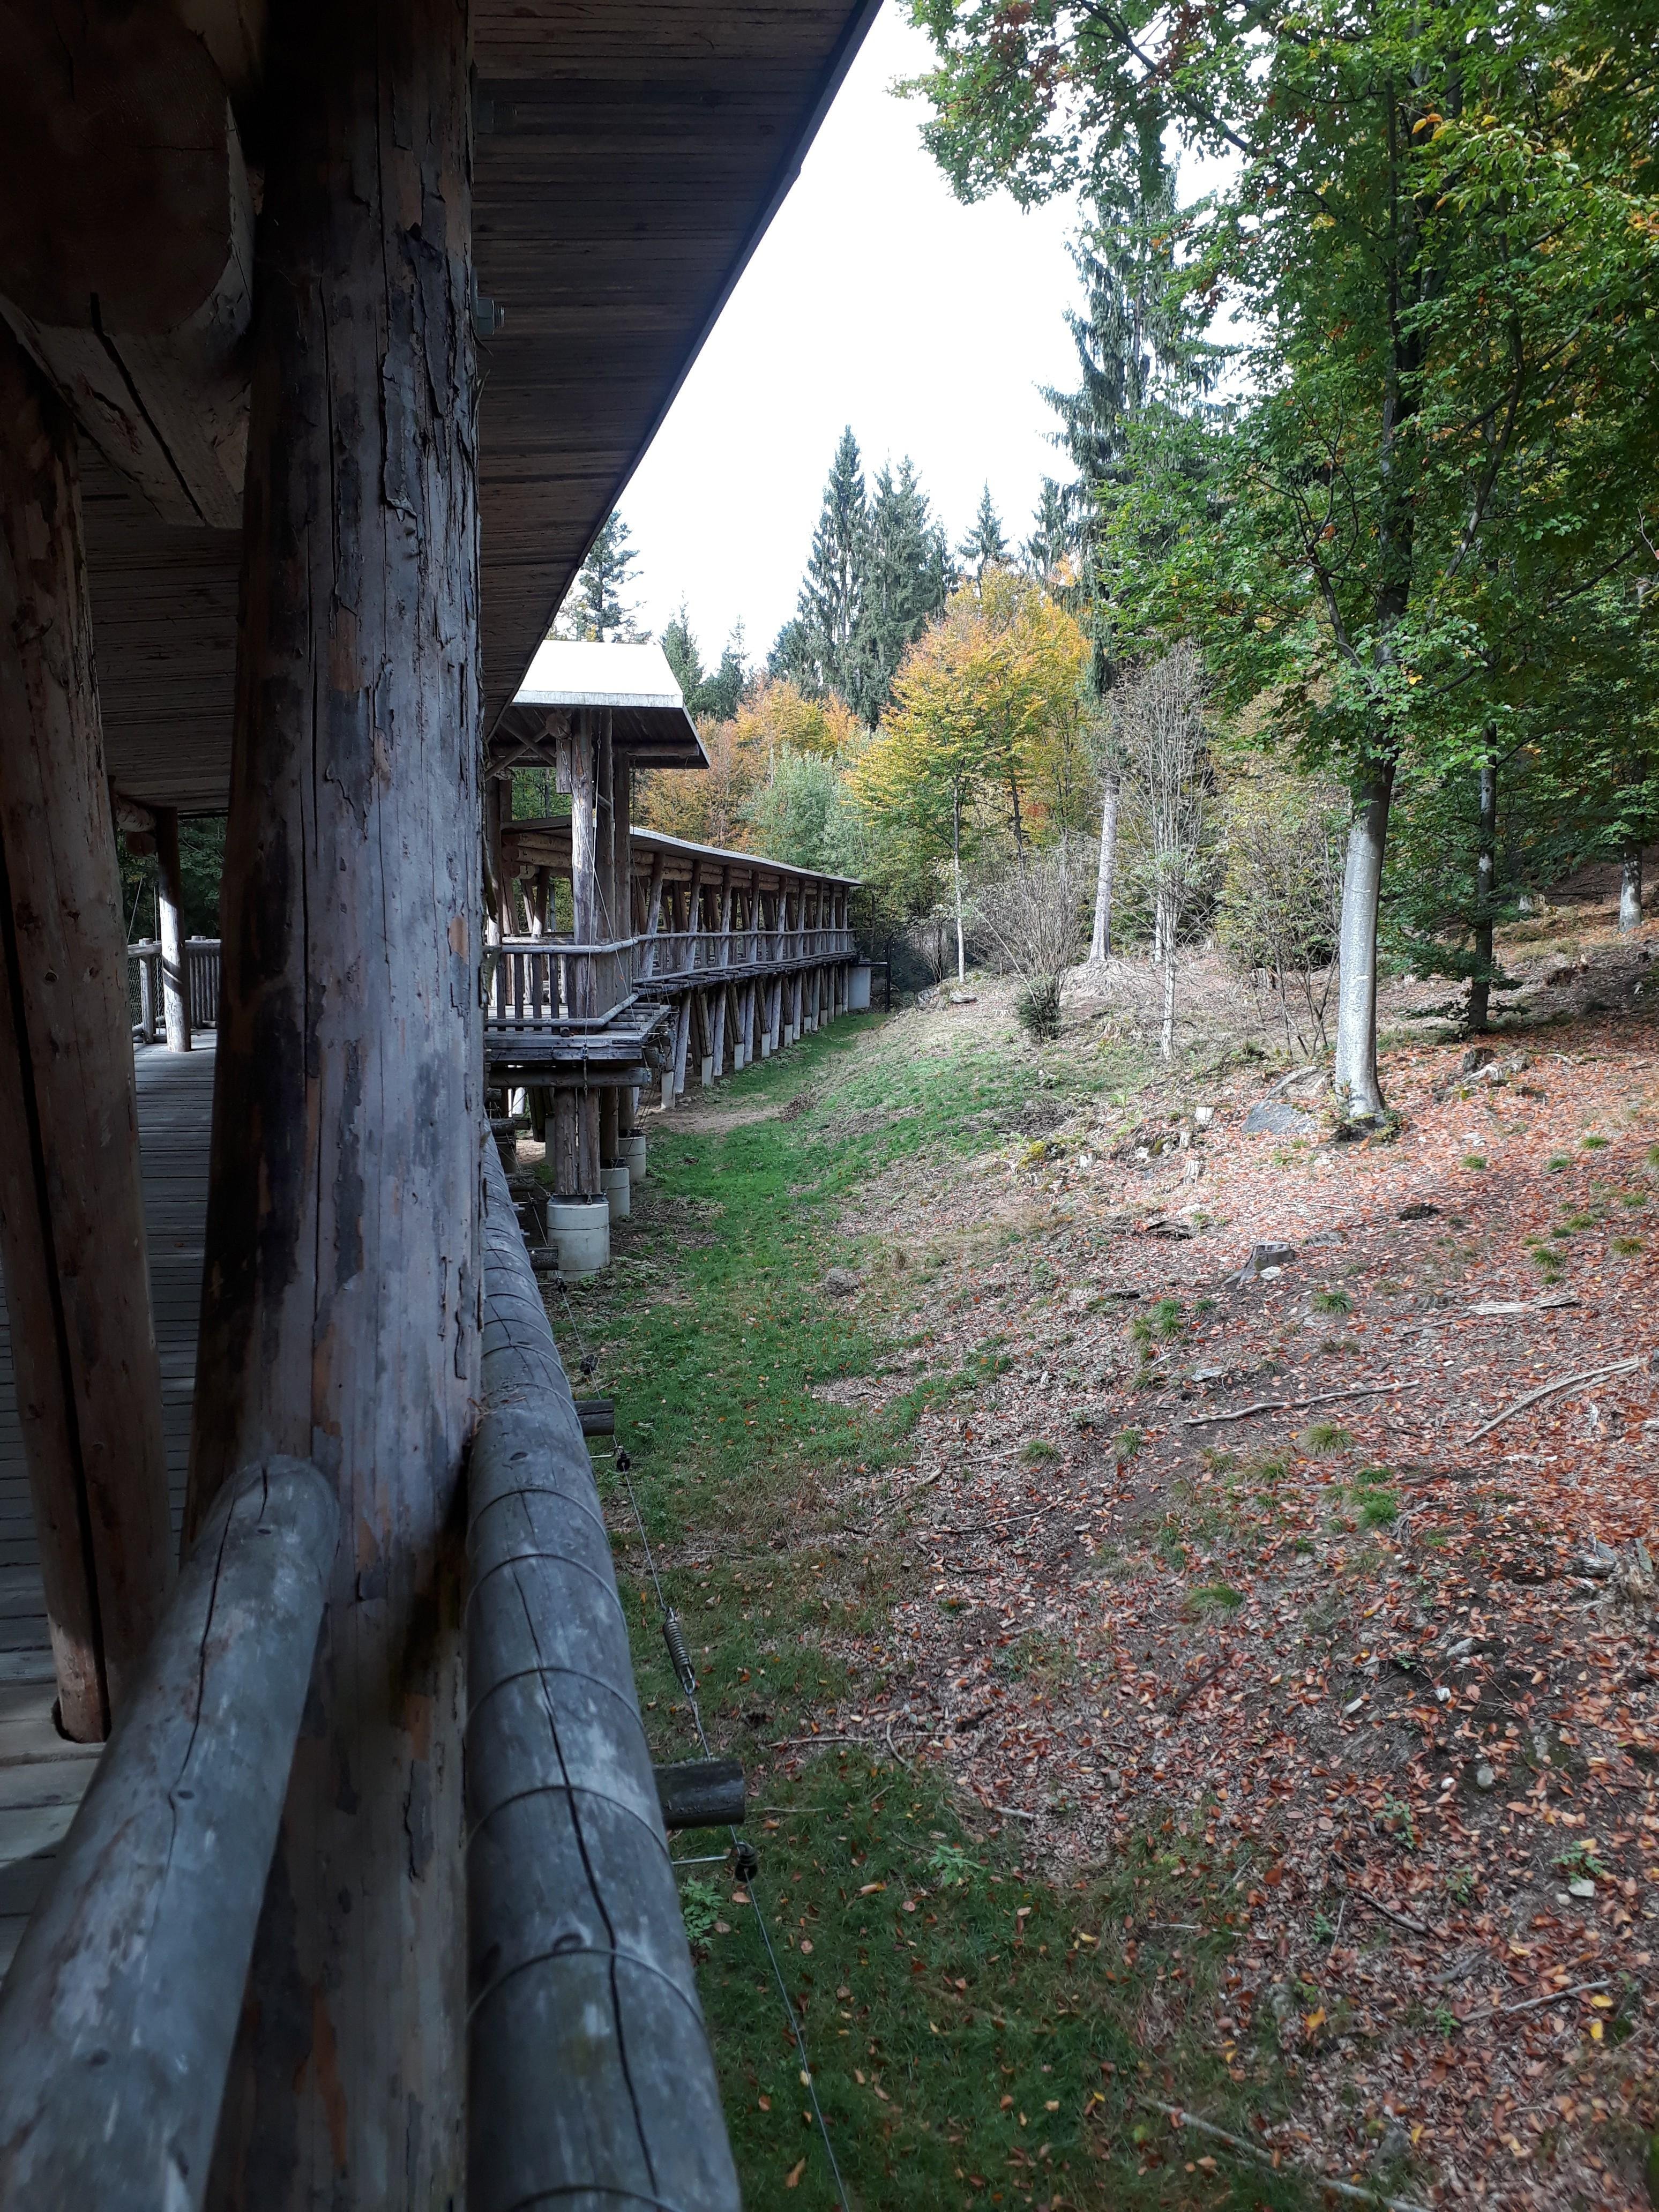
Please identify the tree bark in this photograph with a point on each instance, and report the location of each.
(1166, 930)
(1485, 884)
(1357, 1085)
(956, 866)
(1100, 944)
(341, 1303)
(71, 1209)
(1629, 887)
(170, 927)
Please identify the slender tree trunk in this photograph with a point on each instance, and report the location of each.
(1100, 944)
(88, 1389)
(170, 913)
(1357, 1085)
(1019, 827)
(1167, 1041)
(1485, 884)
(341, 1303)
(956, 865)
(1629, 887)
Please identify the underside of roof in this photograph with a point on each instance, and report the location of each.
(626, 160)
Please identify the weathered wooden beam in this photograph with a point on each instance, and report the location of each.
(341, 1309)
(127, 259)
(170, 905)
(701, 1793)
(120, 2009)
(590, 2077)
(71, 1209)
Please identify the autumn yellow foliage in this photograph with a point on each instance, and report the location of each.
(708, 807)
(984, 736)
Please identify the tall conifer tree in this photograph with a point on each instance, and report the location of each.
(906, 577)
(985, 545)
(816, 649)
(597, 608)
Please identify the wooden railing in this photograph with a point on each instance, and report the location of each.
(535, 979)
(144, 967)
(120, 2009)
(591, 2079)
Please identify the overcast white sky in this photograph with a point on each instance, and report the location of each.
(875, 299)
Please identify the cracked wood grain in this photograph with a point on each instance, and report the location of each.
(120, 2009)
(340, 1311)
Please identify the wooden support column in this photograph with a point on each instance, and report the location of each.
(71, 1211)
(584, 841)
(653, 916)
(567, 1146)
(341, 1309)
(621, 840)
(170, 905)
(604, 828)
(588, 1184)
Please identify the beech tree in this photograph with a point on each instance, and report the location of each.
(982, 744)
(1440, 224)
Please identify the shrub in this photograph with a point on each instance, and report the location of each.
(1037, 1008)
(1322, 1438)
(1331, 1301)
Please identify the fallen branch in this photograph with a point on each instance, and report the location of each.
(1290, 1405)
(1400, 1919)
(1532, 2004)
(1551, 1389)
(1353, 2190)
(1006, 1812)
(898, 1755)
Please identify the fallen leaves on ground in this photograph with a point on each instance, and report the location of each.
(1409, 1680)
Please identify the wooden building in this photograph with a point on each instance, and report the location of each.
(675, 955)
(329, 336)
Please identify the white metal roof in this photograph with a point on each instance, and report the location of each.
(572, 672)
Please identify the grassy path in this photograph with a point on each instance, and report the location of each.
(976, 2034)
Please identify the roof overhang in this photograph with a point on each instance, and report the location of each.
(631, 683)
(628, 159)
(545, 843)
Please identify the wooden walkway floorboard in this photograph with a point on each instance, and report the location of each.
(41, 1776)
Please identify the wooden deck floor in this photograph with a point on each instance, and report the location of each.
(41, 1777)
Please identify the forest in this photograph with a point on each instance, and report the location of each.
(1334, 629)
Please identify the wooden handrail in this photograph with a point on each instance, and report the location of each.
(589, 2072)
(118, 2017)
(555, 980)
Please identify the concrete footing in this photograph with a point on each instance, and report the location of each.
(579, 1230)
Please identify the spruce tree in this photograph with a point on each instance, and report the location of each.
(1054, 533)
(597, 609)
(984, 544)
(680, 651)
(906, 579)
(1135, 340)
(831, 598)
(722, 691)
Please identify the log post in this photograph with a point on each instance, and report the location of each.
(170, 910)
(621, 860)
(341, 1308)
(71, 1210)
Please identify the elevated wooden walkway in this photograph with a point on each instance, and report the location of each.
(41, 1776)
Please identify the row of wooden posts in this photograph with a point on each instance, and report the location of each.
(342, 1312)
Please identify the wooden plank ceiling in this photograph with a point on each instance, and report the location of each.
(629, 155)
